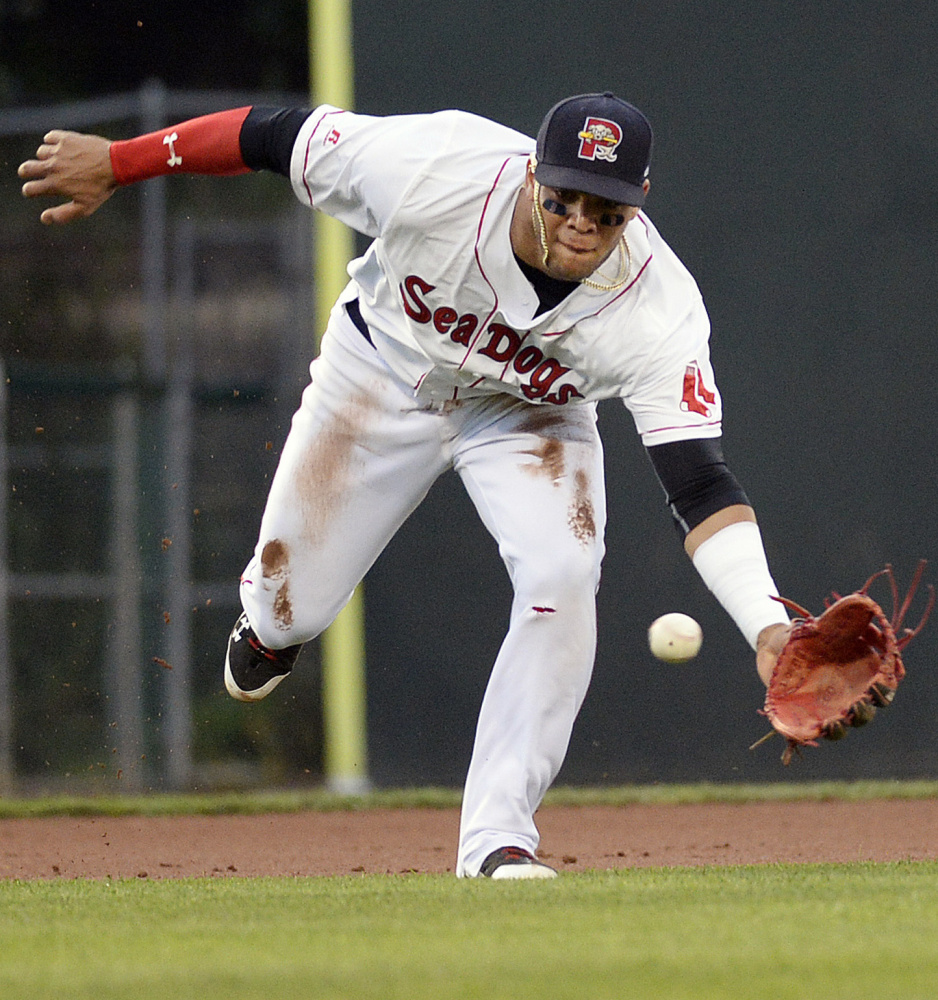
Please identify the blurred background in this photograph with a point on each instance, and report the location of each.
(153, 356)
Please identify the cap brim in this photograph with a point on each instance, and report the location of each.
(582, 180)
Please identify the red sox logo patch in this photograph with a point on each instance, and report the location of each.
(599, 139)
(696, 395)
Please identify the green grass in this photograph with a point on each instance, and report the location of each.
(777, 931)
(780, 932)
(253, 802)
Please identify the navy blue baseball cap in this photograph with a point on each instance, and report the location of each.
(595, 143)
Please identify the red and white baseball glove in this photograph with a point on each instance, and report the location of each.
(836, 670)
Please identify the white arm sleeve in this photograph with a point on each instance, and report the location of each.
(732, 564)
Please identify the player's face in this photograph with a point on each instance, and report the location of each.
(580, 230)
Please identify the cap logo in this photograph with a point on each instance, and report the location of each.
(599, 140)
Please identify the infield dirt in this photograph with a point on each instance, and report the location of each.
(573, 838)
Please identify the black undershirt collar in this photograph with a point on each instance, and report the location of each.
(550, 291)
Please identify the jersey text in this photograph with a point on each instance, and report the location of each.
(503, 344)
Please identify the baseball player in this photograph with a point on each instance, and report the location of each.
(509, 286)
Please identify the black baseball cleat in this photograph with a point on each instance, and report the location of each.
(252, 670)
(515, 862)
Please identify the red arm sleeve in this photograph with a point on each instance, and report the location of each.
(207, 145)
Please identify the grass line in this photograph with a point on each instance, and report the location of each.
(285, 801)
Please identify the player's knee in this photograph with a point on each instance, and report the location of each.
(275, 636)
(277, 630)
(565, 577)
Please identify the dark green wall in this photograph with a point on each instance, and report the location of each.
(796, 173)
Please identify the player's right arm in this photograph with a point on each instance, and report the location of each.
(72, 166)
(87, 169)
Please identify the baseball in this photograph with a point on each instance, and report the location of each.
(675, 638)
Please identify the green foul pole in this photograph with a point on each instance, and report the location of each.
(343, 643)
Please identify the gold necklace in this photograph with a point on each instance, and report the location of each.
(625, 251)
(625, 269)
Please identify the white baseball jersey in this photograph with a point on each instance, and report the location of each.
(447, 305)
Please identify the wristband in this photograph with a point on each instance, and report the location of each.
(732, 564)
(207, 145)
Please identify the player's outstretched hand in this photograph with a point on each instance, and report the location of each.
(69, 165)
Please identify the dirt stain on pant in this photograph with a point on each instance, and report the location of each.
(321, 480)
(275, 566)
(554, 429)
(324, 475)
(582, 516)
(550, 456)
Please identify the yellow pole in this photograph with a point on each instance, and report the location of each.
(343, 643)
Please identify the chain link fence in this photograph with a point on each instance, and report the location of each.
(152, 357)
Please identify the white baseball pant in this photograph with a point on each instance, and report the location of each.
(361, 454)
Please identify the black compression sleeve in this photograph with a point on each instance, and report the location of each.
(268, 136)
(695, 479)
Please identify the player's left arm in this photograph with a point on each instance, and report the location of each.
(87, 169)
(771, 639)
(720, 534)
